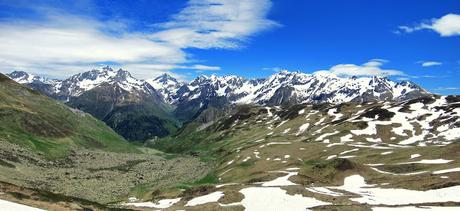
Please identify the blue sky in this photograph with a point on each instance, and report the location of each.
(404, 40)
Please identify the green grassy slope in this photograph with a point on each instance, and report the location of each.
(45, 126)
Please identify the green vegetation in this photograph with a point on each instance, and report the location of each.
(326, 170)
(49, 127)
(210, 178)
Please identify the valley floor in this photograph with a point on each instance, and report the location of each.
(94, 178)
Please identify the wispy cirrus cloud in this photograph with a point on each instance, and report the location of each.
(446, 26)
(429, 63)
(216, 23)
(59, 44)
(371, 68)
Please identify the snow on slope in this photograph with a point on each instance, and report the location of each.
(167, 86)
(82, 82)
(11, 206)
(279, 88)
(296, 87)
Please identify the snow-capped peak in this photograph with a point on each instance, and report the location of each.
(82, 82)
(297, 87)
(166, 85)
(26, 78)
(279, 88)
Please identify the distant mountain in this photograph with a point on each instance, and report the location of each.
(166, 102)
(46, 126)
(167, 86)
(132, 107)
(289, 88)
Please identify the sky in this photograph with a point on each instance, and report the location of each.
(401, 39)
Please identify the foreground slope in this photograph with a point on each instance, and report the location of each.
(43, 125)
(368, 156)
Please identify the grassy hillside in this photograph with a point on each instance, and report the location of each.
(45, 126)
(303, 149)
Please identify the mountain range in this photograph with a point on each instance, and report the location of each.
(143, 109)
(317, 154)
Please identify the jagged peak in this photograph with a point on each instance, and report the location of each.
(19, 73)
(165, 78)
(23, 77)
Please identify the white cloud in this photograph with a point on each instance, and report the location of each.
(216, 23)
(446, 26)
(430, 63)
(274, 69)
(370, 68)
(64, 44)
(403, 78)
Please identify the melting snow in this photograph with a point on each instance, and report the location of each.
(405, 174)
(303, 128)
(292, 169)
(226, 184)
(348, 151)
(282, 123)
(331, 157)
(393, 196)
(415, 156)
(212, 197)
(320, 138)
(435, 161)
(324, 191)
(278, 143)
(11, 206)
(275, 199)
(332, 112)
(162, 204)
(246, 159)
(447, 171)
(418, 208)
(349, 156)
(346, 138)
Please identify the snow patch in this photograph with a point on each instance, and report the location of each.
(162, 204)
(212, 197)
(275, 199)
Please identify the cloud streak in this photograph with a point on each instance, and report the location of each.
(446, 26)
(370, 68)
(430, 63)
(63, 41)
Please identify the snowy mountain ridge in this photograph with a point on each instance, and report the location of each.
(280, 88)
(77, 84)
(297, 87)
